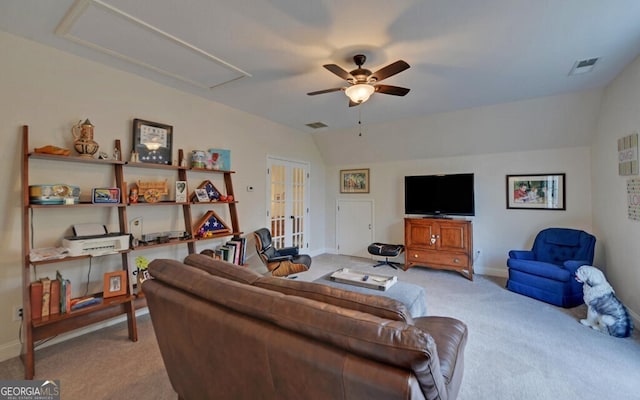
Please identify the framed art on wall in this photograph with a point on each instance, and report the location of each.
(152, 142)
(354, 180)
(536, 192)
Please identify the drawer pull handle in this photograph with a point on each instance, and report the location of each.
(456, 260)
(415, 256)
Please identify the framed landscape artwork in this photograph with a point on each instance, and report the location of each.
(354, 180)
(536, 192)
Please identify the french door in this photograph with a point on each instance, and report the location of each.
(288, 198)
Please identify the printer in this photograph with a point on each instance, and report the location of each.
(94, 240)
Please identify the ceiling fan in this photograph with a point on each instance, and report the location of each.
(363, 83)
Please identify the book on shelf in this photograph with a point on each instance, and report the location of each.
(65, 293)
(240, 245)
(234, 249)
(243, 250)
(36, 299)
(224, 253)
(54, 303)
(83, 302)
(46, 296)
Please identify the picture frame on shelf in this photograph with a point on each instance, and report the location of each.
(105, 195)
(115, 284)
(181, 191)
(202, 195)
(354, 180)
(220, 159)
(152, 142)
(536, 192)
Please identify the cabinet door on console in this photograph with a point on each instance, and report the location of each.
(419, 233)
(453, 236)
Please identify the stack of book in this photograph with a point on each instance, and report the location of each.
(49, 297)
(233, 251)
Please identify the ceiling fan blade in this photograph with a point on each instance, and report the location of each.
(394, 90)
(338, 71)
(325, 91)
(389, 70)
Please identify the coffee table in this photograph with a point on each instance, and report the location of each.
(412, 296)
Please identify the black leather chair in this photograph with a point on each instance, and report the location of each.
(281, 262)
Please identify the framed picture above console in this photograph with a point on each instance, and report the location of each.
(536, 192)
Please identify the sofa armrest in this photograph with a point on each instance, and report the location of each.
(450, 336)
(573, 265)
(522, 254)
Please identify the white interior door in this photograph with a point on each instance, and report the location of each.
(354, 227)
(288, 210)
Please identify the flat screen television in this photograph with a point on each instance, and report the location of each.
(439, 195)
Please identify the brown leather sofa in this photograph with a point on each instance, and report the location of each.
(225, 332)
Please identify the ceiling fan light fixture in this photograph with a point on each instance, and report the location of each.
(359, 93)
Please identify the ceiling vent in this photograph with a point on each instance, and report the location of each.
(317, 125)
(583, 66)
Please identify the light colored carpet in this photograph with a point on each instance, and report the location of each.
(518, 348)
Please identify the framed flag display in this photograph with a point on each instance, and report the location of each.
(211, 225)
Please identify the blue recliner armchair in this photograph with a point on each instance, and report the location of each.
(547, 271)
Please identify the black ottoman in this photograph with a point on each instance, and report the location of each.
(386, 250)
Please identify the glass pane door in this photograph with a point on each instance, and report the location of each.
(288, 197)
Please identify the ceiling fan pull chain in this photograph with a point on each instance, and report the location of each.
(360, 120)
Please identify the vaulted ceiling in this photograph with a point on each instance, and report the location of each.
(263, 56)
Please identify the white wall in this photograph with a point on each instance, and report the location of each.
(619, 117)
(542, 123)
(565, 124)
(496, 229)
(50, 91)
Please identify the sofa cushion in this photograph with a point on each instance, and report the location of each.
(221, 268)
(380, 306)
(366, 335)
(377, 305)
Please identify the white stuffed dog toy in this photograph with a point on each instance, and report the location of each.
(605, 312)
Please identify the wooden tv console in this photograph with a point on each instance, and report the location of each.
(439, 243)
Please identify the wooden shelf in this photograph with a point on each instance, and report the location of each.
(73, 258)
(86, 160)
(211, 171)
(105, 303)
(79, 205)
(36, 329)
(159, 203)
(155, 166)
(41, 328)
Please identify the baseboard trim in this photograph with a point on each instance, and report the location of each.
(10, 350)
(13, 348)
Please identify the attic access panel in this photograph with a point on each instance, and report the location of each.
(100, 26)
